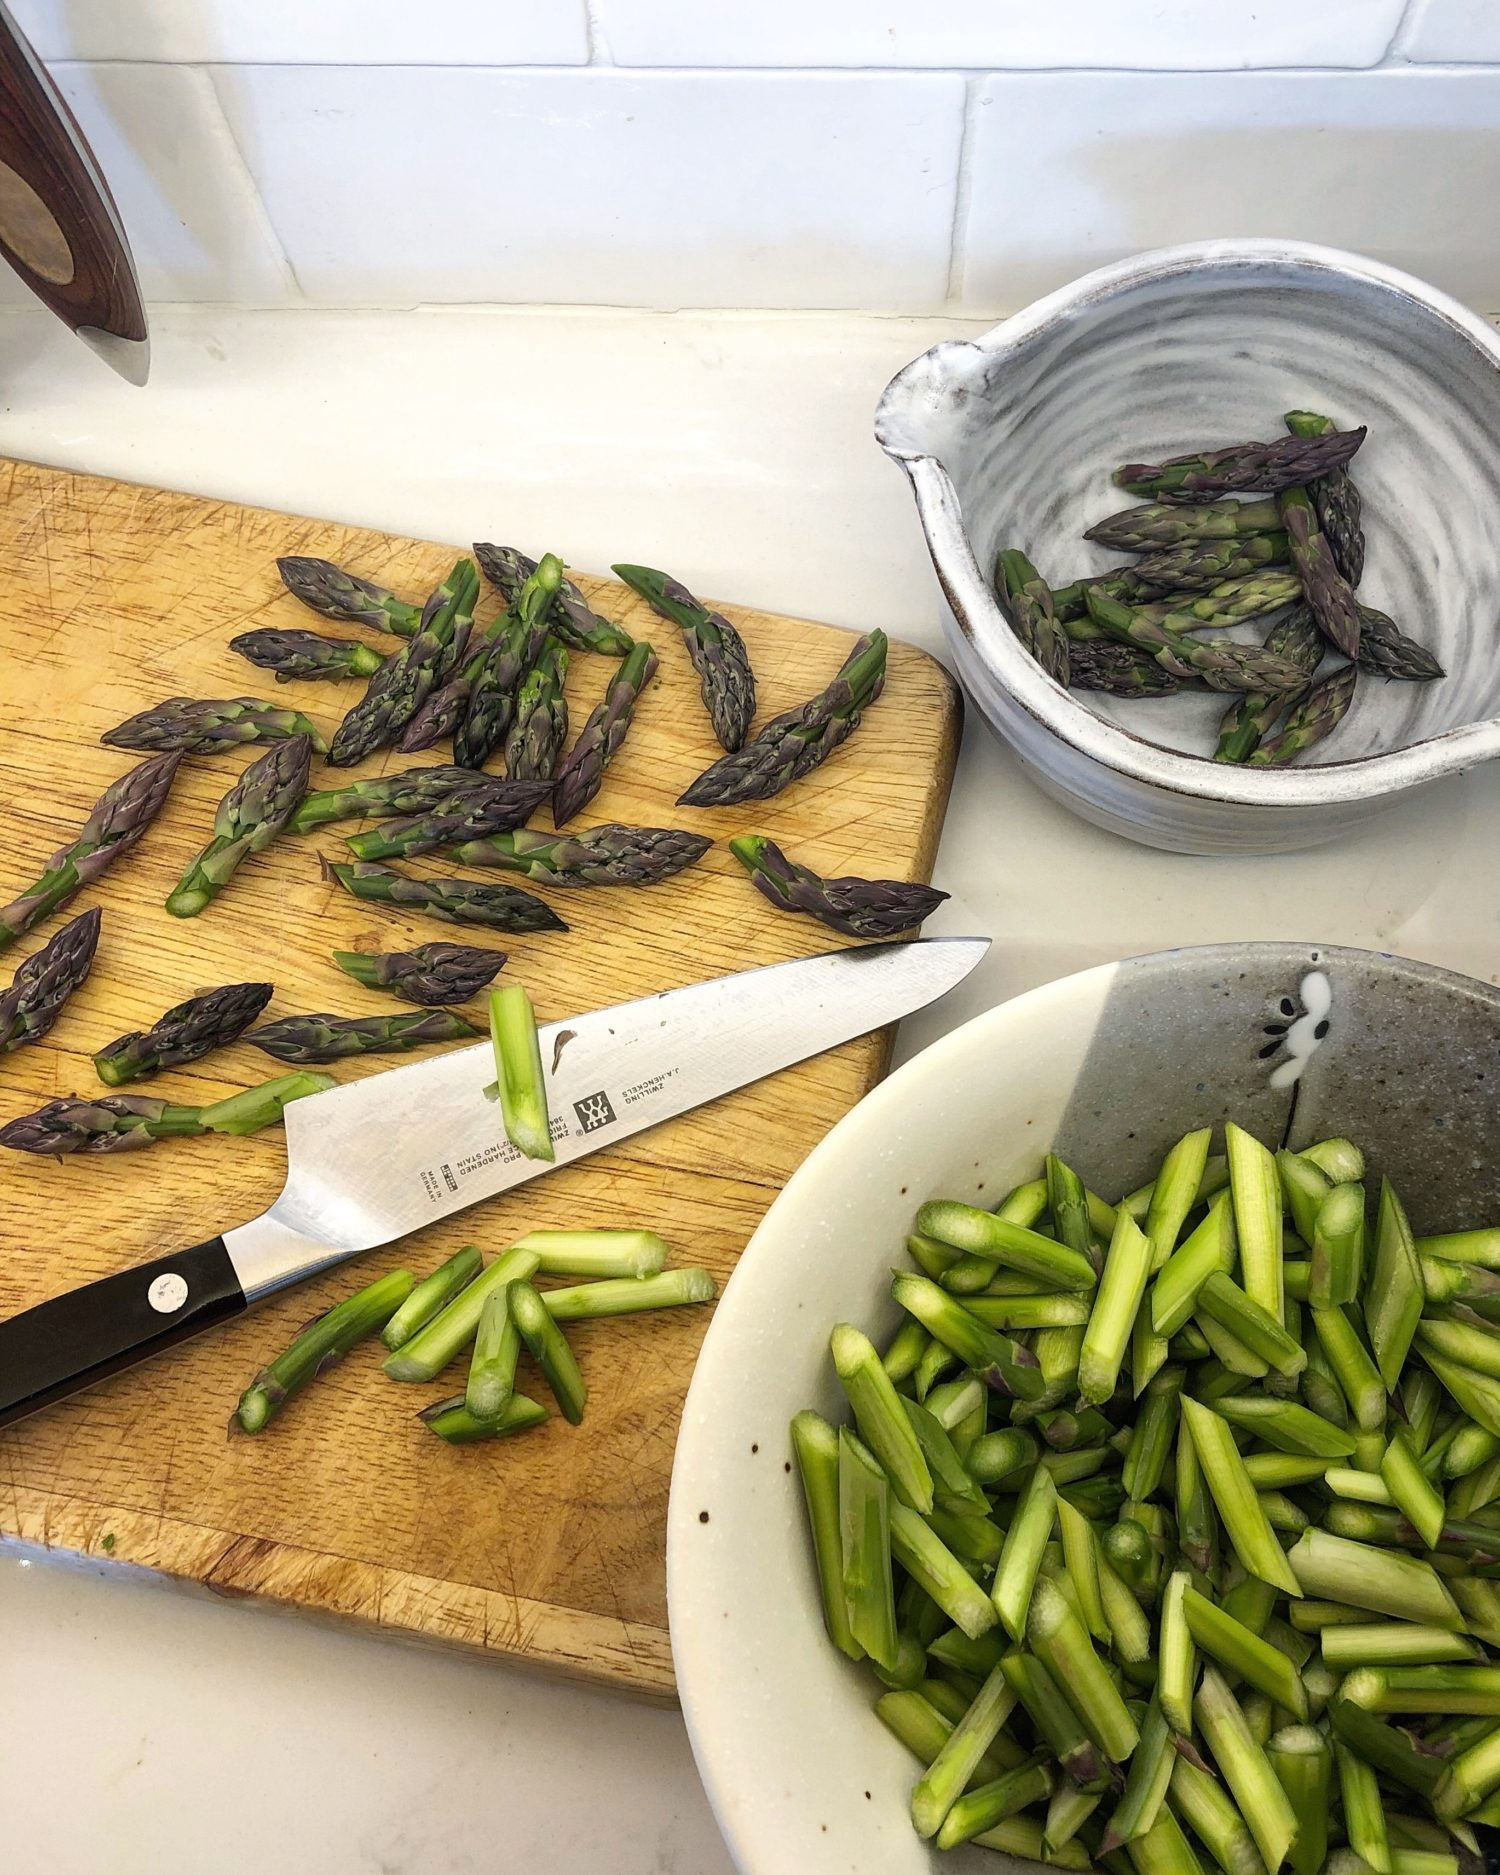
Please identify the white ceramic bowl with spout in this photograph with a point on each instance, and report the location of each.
(1009, 440)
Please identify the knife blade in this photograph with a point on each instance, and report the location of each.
(374, 1160)
(59, 227)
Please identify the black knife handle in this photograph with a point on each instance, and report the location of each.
(64, 1345)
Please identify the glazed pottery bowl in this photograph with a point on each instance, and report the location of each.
(1009, 440)
(1111, 1067)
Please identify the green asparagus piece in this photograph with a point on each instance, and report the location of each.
(1364, 1808)
(861, 908)
(943, 1784)
(1480, 1247)
(1256, 1192)
(1329, 594)
(452, 1421)
(518, 1067)
(492, 1365)
(1126, 1269)
(1004, 1365)
(1288, 462)
(403, 683)
(1193, 566)
(549, 1348)
(954, 1491)
(412, 791)
(570, 617)
(924, 1556)
(1177, 1660)
(1016, 1574)
(1210, 1247)
(999, 1455)
(463, 822)
(456, 901)
(443, 710)
(1067, 1811)
(1410, 1488)
(1222, 666)
(1305, 1188)
(328, 589)
(1229, 603)
(1309, 720)
(1009, 1245)
(186, 1032)
(437, 1342)
(1234, 1495)
(307, 654)
(1285, 1425)
(881, 1416)
(118, 819)
(1469, 1779)
(1337, 1264)
(1243, 1653)
(431, 975)
(1206, 1807)
(1155, 1429)
(980, 1810)
(815, 1446)
(1164, 524)
(307, 1040)
(725, 679)
(494, 689)
(1393, 1295)
(431, 1296)
(1365, 1487)
(319, 1346)
(865, 1550)
(1028, 604)
(1337, 502)
(1245, 1768)
(44, 982)
(1057, 1637)
(1163, 1850)
(1146, 1786)
(1339, 1160)
(798, 740)
(123, 1122)
(1392, 1644)
(539, 727)
(1439, 1688)
(210, 726)
(611, 855)
(1385, 649)
(248, 818)
(1081, 1561)
(630, 1295)
(596, 1252)
(1366, 1577)
(1226, 1303)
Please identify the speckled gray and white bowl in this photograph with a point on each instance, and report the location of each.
(1110, 1066)
(1009, 440)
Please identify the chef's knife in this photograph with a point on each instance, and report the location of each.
(59, 227)
(372, 1161)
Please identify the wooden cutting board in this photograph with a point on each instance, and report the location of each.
(547, 1547)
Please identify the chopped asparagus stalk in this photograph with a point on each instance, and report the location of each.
(1410, 1488)
(815, 1445)
(1206, 1807)
(1358, 1377)
(1164, 1850)
(1234, 1495)
(548, 1346)
(1338, 1248)
(865, 1550)
(428, 1352)
(1391, 1644)
(1081, 1561)
(1012, 1246)
(1393, 1294)
(924, 1556)
(492, 1366)
(1210, 1247)
(1177, 1662)
(630, 1295)
(948, 1775)
(595, 1252)
(1377, 1579)
(1364, 1809)
(1146, 1786)
(880, 1414)
(1244, 1653)
(1126, 1269)
(1245, 1768)
(1056, 1724)
(319, 1346)
(431, 1296)
(1058, 1639)
(1257, 1216)
(452, 1421)
(1003, 1364)
(1021, 1559)
(980, 1810)
(518, 1068)
(1226, 1303)
(1441, 1689)
(1287, 1426)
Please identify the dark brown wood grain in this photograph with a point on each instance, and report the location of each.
(59, 227)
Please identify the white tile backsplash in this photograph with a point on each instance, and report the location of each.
(1463, 31)
(1145, 34)
(195, 223)
(1069, 170)
(365, 32)
(394, 186)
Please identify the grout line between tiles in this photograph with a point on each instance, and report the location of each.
(958, 231)
(262, 214)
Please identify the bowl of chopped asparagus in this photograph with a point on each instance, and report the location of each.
(1096, 1456)
(1207, 643)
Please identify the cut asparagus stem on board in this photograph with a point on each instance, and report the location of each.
(452, 1421)
(211, 726)
(492, 1365)
(447, 1334)
(248, 819)
(455, 901)
(185, 1033)
(431, 975)
(859, 908)
(518, 1068)
(548, 1346)
(328, 589)
(45, 981)
(319, 1346)
(726, 681)
(630, 1295)
(431, 1296)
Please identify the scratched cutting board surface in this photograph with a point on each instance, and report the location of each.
(547, 1547)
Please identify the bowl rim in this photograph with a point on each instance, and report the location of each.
(985, 634)
(698, 1667)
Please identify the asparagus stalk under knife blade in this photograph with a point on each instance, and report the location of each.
(319, 1346)
(211, 726)
(495, 688)
(580, 777)
(461, 817)
(403, 683)
(1028, 603)
(308, 1040)
(432, 975)
(1329, 594)
(539, 726)
(123, 1122)
(249, 818)
(861, 908)
(1221, 666)
(307, 654)
(414, 791)
(45, 981)
(1264, 468)
(1336, 499)
(120, 816)
(798, 740)
(726, 681)
(609, 855)
(328, 589)
(186, 1032)
(570, 616)
(457, 901)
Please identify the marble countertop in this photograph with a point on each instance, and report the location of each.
(149, 1730)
